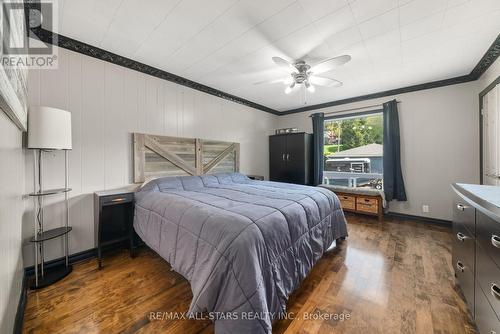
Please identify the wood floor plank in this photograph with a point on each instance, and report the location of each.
(390, 277)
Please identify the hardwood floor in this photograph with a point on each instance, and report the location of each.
(389, 277)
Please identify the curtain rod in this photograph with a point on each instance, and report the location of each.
(353, 109)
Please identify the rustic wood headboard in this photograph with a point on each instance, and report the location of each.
(158, 156)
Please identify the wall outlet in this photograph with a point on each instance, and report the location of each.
(425, 208)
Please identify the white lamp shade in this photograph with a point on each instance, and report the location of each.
(49, 128)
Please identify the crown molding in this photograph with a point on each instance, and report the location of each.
(68, 43)
(487, 60)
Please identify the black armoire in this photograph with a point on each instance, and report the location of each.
(290, 158)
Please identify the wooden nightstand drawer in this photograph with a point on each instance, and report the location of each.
(367, 201)
(347, 202)
(371, 208)
(367, 204)
(116, 199)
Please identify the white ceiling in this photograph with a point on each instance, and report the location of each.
(228, 44)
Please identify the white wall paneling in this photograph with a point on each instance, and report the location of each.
(108, 103)
(11, 212)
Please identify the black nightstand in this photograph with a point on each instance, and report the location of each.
(113, 219)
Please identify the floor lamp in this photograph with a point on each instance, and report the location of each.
(49, 129)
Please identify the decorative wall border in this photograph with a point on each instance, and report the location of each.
(487, 60)
(74, 45)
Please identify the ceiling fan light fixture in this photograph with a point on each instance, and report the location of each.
(301, 72)
(288, 90)
(309, 87)
(288, 81)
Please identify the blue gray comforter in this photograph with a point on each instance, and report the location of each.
(243, 245)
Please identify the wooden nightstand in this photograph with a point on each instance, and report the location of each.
(359, 200)
(365, 204)
(113, 219)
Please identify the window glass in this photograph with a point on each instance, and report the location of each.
(353, 151)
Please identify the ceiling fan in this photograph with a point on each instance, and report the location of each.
(303, 73)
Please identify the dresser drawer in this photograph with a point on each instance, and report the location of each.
(347, 202)
(367, 204)
(465, 214)
(463, 245)
(485, 317)
(488, 276)
(465, 277)
(463, 261)
(488, 236)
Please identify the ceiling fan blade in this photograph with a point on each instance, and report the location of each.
(270, 81)
(284, 64)
(326, 82)
(330, 64)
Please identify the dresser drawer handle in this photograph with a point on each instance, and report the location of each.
(495, 290)
(461, 236)
(121, 199)
(460, 207)
(460, 266)
(495, 240)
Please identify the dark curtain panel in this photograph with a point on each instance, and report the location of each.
(318, 140)
(394, 187)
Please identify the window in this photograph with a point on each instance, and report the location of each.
(353, 150)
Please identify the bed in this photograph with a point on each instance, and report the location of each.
(243, 245)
